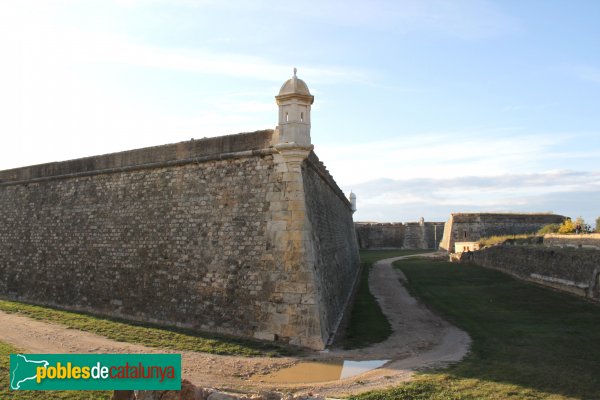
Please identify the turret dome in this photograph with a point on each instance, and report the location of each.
(295, 86)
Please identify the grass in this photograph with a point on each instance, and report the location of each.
(5, 393)
(367, 324)
(529, 342)
(493, 240)
(148, 334)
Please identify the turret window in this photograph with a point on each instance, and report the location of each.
(286, 117)
(301, 117)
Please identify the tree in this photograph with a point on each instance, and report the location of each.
(579, 225)
(567, 226)
(598, 224)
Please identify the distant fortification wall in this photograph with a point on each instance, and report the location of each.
(590, 241)
(470, 227)
(573, 270)
(412, 235)
(227, 234)
(379, 235)
(423, 236)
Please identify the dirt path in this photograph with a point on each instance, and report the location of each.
(200, 368)
(420, 339)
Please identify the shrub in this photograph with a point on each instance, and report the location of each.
(567, 226)
(494, 240)
(550, 228)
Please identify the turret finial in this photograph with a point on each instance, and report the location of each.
(295, 70)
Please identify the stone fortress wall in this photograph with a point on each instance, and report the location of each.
(334, 243)
(585, 241)
(574, 270)
(245, 234)
(470, 227)
(410, 235)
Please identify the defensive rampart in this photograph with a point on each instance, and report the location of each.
(590, 241)
(573, 270)
(411, 235)
(228, 234)
(334, 243)
(470, 227)
(379, 235)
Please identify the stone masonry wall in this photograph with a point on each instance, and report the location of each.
(426, 236)
(148, 157)
(470, 227)
(573, 270)
(175, 245)
(210, 235)
(336, 264)
(379, 235)
(411, 235)
(590, 241)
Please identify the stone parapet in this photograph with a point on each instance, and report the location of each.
(169, 154)
(586, 241)
(571, 270)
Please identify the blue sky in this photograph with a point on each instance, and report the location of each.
(422, 108)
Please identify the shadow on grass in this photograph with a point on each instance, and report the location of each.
(523, 334)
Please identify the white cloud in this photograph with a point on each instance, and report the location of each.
(31, 33)
(56, 105)
(571, 193)
(459, 18)
(441, 155)
(465, 19)
(140, 3)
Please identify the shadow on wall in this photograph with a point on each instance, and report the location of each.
(411, 235)
(570, 268)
